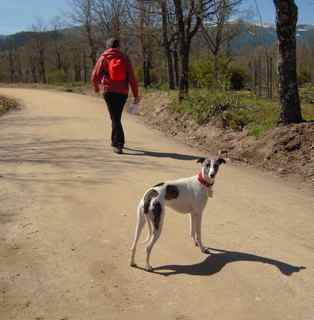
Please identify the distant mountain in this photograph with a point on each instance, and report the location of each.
(251, 35)
(254, 35)
(18, 39)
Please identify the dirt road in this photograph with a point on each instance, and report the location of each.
(67, 219)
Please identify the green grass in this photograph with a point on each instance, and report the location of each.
(307, 98)
(237, 110)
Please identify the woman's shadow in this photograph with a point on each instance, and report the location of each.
(216, 261)
(172, 155)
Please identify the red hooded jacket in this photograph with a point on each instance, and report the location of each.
(99, 80)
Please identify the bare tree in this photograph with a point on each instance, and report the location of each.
(142, 24)
(217, 32)
(111, 16)
(286, 22)
(57, 41)
(11, 60)
(189, 16)
(83, 15)
(39, 45)
(168, 38)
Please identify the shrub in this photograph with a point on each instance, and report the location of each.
(201, 73)
(237, 111)
(304, 77)
(156, 75)
(204, 105)
(56, 76)
(237, 78)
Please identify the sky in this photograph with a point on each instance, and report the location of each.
(19, 15)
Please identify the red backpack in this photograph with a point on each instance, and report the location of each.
(117, 69)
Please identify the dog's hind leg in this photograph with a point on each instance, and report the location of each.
(139, 226)
(150, 230)
(157, 217)
(152, 241)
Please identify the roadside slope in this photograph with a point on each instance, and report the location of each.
(67, 219)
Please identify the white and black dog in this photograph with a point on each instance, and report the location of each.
(188, 195)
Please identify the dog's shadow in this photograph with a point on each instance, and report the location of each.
(216, 261)
(177, 156)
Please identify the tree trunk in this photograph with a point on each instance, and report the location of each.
(170, 66)
(184, 72)
(188, 23)
(216, 68)
(85, 68)
(176, 66)
(166, 44)
(183, 51)
(42, 65)
(287, 16)
(11, 66)
(146, 71)
(34, 72)
(91, 42)
(20, 76)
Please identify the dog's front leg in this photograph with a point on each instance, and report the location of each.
(198, 217)
(193, 221)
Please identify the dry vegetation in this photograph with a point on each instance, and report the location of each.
(7, 104)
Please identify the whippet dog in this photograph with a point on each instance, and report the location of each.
(187, 195)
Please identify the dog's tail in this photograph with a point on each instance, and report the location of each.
(150, 198)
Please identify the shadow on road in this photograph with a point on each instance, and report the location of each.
(177, 156)
(216, 261)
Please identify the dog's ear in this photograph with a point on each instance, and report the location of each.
(200, 160)
(221, 161)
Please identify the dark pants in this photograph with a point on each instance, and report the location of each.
(115, 103)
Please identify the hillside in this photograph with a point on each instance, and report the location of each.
(254, 35)
(251, 35)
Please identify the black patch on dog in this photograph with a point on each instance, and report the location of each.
(200, 160)
(148, 198)
(159, 184)
(172, 192)
(156, 214)
(221, 160)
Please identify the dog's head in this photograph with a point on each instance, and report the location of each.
(210, 166)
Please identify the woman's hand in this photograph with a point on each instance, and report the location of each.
(137, 100)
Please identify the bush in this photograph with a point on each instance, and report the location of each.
(204, 105)
(237, 111)
(56, 77)
(304, 77)
(237, 78)
(201, 73)
(7, 104)
(156, 75)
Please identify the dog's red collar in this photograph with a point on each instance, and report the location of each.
(202, 181)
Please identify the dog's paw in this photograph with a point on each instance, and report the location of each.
(133, 264)
(206, 250)
(149, 268)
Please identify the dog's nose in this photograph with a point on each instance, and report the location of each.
(212, 175)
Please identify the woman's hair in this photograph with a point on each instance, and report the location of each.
(112, 43)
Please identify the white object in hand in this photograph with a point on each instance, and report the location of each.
(133, 108)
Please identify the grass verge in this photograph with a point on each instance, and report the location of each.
(237, 110)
